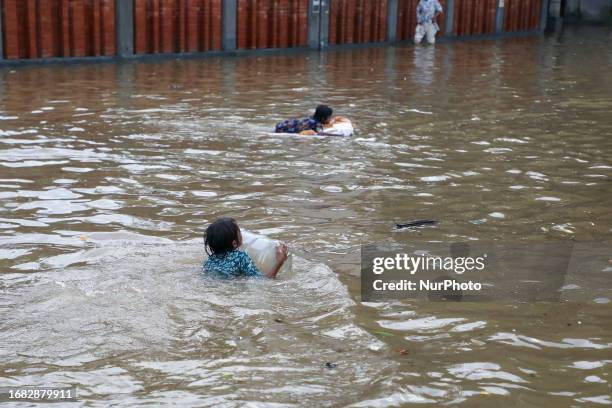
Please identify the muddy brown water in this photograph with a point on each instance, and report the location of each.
(110, 172)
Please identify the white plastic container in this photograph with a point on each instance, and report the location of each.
(262, 251)
(341, 128)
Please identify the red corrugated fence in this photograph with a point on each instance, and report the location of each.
(406, 19)
(58, 28)
(271, 23)
(357, 21)
(473, 17)
(166, 26)
(81, 28)
(521, 15)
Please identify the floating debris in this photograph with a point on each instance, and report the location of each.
(416, 223)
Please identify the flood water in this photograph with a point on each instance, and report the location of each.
(109, 173)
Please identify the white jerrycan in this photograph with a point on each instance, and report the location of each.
(262, 251)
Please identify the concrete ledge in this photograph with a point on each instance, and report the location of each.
(477, 37)
(56, 61)
(510, 34)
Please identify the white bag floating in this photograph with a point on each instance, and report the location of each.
(262, 251)
(340, 128)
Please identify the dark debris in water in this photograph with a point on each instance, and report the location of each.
(330, 365)
(415, 223)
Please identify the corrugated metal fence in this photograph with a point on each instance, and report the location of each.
(58, 28)
(271, 23)
(522, 15)
(357, 21)
(81, 28)
(473, 17)
(170, 26)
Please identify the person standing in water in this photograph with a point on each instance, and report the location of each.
(307, 126)
(427, 11)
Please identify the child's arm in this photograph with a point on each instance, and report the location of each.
(281, 257)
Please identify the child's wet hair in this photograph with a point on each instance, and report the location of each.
(220, 236)
(323, 113)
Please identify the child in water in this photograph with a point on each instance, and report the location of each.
(222, 240)
(307, 126)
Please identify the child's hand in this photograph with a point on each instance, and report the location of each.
(308, 132)
(281, 257)
(282, 252)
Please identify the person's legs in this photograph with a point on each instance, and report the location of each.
(430, 30)
(419, 33)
